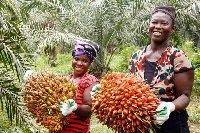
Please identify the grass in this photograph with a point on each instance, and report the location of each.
(194, 113)
(7, 127)
(193, 110)
(4, 122)
(97, 127)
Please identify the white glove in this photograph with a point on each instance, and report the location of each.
(68, 107)
(163, 112)
(94, 88)
(28, 73)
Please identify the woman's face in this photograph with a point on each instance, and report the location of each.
(161, 27)
(80, 65)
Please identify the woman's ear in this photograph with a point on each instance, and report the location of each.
(148, 24)
(173, 29)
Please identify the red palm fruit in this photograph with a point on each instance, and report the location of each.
(139, 104)
(134, 124)
(123, 122)
(122, 103)
(137, 122)
(125, 111)
(114, 126)
(130, 103)
(120, 129)
(127, 95)
(119, 111)
(128, 131)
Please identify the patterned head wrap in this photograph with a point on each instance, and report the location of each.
(169, 10)
(84, 46)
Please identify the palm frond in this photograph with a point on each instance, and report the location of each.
(12, 61)
(11, 101)
(16, 109)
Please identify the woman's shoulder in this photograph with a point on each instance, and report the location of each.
(173, 48)
(140, 49)
(178, 52)
(138, 52)
(90, 76)
(182, 63)
(88, 80)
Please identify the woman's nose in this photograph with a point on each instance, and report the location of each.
(158, 25)
(79, 62)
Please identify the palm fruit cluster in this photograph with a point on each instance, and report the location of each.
(43, 93)
(125, 103)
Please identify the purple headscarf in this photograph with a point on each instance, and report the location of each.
(84, 46)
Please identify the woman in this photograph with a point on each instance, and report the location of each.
(83, 55)
(168, 70)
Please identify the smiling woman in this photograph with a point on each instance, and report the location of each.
(83, 54)
(161, 27)
(168, 70)
(80, 65)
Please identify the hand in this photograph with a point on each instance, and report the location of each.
(163, 112)
(94, 88)
(68, 107)
(28, 73)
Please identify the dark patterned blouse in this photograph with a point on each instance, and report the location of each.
(79, 124)
(172, 61)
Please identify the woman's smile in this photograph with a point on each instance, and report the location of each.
(157, 33)
(80, 64)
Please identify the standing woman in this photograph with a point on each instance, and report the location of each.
(168, 70)
(80, 110)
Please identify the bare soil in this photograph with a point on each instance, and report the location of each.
(194, 115)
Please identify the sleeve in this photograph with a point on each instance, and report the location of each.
(182, 62)
(131, 65)
(88, 80)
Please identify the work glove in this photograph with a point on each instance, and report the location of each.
(163, 111)
(94, 88)
(28, 73)
(68, 107)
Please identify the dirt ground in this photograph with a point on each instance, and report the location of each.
(194, 115)
(194, 127)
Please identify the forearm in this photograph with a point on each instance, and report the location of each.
(181, 102)
(83, 111)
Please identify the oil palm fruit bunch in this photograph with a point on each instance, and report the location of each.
(125, 103)
(43, 93)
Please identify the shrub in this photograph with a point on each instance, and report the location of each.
(121, 59)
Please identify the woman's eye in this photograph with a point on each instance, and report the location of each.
(85, 61)
(76, 59)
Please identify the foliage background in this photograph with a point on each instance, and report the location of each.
(41, 34)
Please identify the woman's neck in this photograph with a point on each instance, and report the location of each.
(77, 75)
(154, 51)
(76, 78)
(158, 47)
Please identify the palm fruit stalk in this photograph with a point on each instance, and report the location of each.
(43, 93)
(125, 103)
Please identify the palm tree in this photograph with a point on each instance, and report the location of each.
(33, 26)
(112, 23)
(11, 60)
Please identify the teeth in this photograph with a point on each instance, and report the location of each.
(78, 67)
(156, 33)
